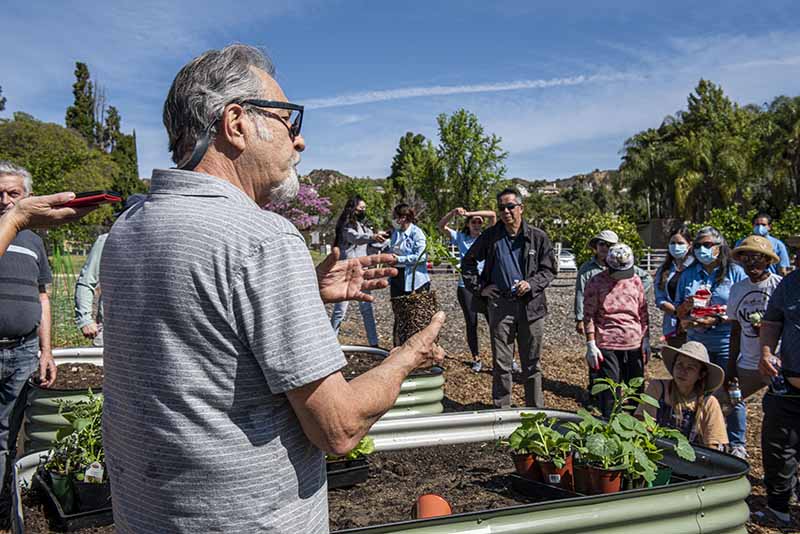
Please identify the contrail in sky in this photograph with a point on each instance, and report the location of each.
(368, 97)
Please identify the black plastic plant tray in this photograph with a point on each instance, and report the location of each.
(346, 473)
(539, 491)
(70, 522)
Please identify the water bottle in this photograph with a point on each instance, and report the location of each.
(734, 393)
(778, 382)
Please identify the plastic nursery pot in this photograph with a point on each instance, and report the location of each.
(412, 313)
(431, 505)
(663, 476)
(581, 478)
(605, 480)
(555, 476)
(63, 489)
(527, 466)
(92, 496)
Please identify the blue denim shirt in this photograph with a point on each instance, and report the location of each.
(408, 246)
(670, 323)
(717, 338)
(784, 307)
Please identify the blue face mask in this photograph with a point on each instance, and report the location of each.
(678, 250)
(704, 255)
(761, 229)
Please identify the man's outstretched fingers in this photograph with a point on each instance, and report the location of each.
(385, 272)
(432, 330)
(377, 259)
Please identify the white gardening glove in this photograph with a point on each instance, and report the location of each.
(593, 355)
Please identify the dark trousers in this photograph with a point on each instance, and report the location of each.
(508, 322)
(780, 447)
(619, 366)
(467, 303)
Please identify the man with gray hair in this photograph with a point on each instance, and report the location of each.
(222, 384)
(24, 323)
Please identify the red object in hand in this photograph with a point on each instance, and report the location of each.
(709, 311)
(93, 198)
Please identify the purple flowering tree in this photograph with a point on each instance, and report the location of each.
(305, 209)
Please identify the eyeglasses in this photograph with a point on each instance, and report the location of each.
(707, 244)
(510, 206)
(752, 258)
(293, 123)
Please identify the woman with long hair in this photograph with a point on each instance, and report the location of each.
(352, 237)
(715, 272)
(686, 401)
(463, 239)
(678, 258)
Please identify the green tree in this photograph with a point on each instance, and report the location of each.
(780, 148)
(579, 231)
(2, 100)
(59, 159)
(80, 115)
(731, 223)
(472, 162)
(417, 177)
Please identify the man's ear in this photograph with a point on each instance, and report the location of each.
(233, 128)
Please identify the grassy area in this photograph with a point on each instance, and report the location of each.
(62, 300)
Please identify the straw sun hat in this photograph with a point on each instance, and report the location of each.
(695, 351)
(756, 243)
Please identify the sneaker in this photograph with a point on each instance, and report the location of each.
(515, 368)
(739, 451)
(477, 366)
(771, 517)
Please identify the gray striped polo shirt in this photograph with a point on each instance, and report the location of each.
(212, 313)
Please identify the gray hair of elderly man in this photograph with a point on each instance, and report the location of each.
(10, 169)
(202, 89)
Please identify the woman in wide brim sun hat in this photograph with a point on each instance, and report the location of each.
(685, 401)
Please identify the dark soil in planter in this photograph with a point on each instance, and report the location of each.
(471, 477)
(73, 376)
(412, 313)
(36, 522)
(359, 363)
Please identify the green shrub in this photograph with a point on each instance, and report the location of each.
(577, 234)
(729, 222)
(789, 223)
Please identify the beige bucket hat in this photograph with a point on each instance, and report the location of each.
(609, 236)
(756, 243)
(696, 351)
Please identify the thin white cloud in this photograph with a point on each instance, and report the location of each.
(368, 97)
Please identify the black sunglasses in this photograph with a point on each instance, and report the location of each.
(510, 206)
(295, 121)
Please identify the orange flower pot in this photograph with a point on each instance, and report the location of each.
(432, 505)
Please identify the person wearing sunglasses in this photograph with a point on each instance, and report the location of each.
(599, 244)
(762, 225)
(464, 239)
(223, 378)
(519, 265)
(716, 272)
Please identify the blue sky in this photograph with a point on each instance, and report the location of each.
(563, 83)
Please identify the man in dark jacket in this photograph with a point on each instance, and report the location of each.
(520, 264)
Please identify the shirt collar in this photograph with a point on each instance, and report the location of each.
(196, 184)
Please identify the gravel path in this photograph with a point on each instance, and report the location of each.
(565, 374)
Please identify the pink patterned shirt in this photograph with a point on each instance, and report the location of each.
(616, 311)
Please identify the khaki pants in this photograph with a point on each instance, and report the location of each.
(508, 323)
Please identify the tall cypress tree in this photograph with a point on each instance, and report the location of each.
(2, 100)
(80, 115)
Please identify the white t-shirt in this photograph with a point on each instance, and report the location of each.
(745, 299)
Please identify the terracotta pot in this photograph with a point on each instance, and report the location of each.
(555, 476)
(527, 466)
(432, 505)
(605, 480)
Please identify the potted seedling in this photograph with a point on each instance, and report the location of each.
(62, 463)
(540, 451)
(414, 312)
(352, 468)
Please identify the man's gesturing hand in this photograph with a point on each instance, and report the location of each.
(423, 343)
(45, 211)
(348, 279)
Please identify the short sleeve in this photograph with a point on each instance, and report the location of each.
(278, 313)
(776, 305)
(783, 254)
(713, 427)
(734, 299)
(453, 235)
(45, 274)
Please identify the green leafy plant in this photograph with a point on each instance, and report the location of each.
(578, 232)
(624, 442)
(80, 444)
(536, 436)
(365, 447)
